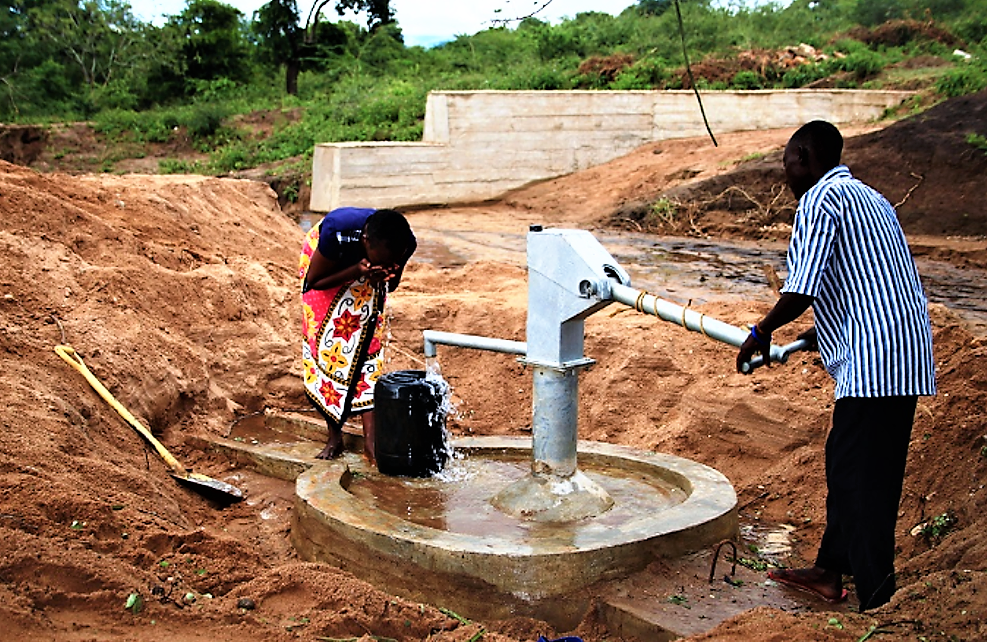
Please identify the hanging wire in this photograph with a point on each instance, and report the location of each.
(688, 71)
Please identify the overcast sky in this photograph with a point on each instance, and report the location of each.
(424, 22)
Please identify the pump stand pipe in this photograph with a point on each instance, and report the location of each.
(695, 321)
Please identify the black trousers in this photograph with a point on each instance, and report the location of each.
(865, 467)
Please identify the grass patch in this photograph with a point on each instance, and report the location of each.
(980, 142)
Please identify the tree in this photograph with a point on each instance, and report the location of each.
(14, 46)
(281, 38)
(284, 41)
(378, 11)
(97, 38)
(75, 57)
(873, 12)
(164, 80)
(653, 7)
(215, 44)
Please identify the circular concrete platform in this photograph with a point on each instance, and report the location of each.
(545, 574)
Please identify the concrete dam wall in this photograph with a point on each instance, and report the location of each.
(479, 144)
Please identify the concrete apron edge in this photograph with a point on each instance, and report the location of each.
(707, 516)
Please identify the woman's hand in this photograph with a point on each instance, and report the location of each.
(376, 273)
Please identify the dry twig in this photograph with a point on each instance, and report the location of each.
(912, 189)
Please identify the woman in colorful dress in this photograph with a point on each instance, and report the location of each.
(350, 260)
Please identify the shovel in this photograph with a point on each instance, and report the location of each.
(207, 486)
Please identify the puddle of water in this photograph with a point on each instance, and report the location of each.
(437, 253)
(773, 542)
(253, 430)
(458, 500)
(962, 289)
(683, 270)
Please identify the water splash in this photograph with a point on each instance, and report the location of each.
(445, 409)
(432, 368)
(455, 469)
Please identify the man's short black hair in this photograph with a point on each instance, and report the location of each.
(824, 139)
(390, 228)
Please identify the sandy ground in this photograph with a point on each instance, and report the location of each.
(180, 293)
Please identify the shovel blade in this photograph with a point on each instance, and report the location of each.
(211, 488)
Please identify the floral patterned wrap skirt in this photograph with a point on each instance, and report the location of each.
(341, 347)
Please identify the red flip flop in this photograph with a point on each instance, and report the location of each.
(772, 575)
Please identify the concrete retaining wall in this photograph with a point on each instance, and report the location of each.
(479, 144)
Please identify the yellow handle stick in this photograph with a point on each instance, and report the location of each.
(71, 357)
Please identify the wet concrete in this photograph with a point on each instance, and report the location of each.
(535, 570)
(458, 499)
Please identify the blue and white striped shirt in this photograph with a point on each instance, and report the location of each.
(848, 252)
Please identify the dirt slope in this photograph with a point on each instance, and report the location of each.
(925, 164)
(180, 294)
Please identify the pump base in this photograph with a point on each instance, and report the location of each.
(543, 497)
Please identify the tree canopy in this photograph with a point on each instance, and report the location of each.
(71, 59)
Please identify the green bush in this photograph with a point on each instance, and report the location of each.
(117, 94)
(175, 166)
(643, 74)
(133, 126)
(862, 64)
(45, 90)
(205, 120)
(217, 90)
(383, 48)
(964, 79)
(803, 75)
(937, 528)
(980, 142)
(539, 77)
(551, 44)
(972, 29)
(747, 80)
(231, 158)
(870, 13)
(847, 46)
(628, 80)
(547, 79)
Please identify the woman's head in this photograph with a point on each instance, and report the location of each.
(387, 238)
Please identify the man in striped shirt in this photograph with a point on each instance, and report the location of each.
(848, 260)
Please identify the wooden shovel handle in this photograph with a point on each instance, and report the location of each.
(69, 354)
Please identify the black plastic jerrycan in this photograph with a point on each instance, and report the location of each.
(409, 435)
